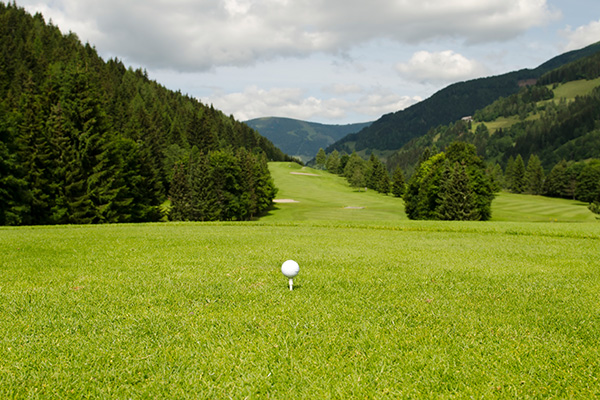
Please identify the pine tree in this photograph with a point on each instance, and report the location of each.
(534, 175)
(320, 159)
(509, 172)
(456, 197)
(180, 195)
(333, 162)
(556, 183)
(588, 182)
(398, 183)
(518, 183)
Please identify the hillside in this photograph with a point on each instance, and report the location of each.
(556, 119)
(392, 131)
(301, 139)
(83, 140)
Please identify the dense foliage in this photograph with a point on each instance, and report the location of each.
(88, 141)
(450, 185)
(221, 186)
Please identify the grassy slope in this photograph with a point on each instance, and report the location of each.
(567, 91)
(324, 197)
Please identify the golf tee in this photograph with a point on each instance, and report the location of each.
(291, 283)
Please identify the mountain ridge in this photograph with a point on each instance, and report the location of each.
(301, 139)
(460, 99)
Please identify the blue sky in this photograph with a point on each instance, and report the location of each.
(329, 61)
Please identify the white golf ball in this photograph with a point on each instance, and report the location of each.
(290, 268)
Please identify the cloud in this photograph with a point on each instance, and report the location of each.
(255, 102)
(197, 35)
(444, 66)
(582, 36)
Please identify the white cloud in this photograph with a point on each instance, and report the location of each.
(254, 102)
(194, 35)
(582, 36)
(444, 66)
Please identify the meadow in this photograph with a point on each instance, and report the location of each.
(382, 307)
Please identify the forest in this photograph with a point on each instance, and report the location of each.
(83, 140)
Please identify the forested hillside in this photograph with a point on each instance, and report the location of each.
(458, 100)
(83, 140)
(302, 139)
(539, 120)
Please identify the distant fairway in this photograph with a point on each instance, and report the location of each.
(527, 208)
(328, 196)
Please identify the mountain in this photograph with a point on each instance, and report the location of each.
(83, 140)
(301, 139)
(556, 119)
(458, 100)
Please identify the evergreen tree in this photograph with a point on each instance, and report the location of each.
(398, 183)
(320, 159)
(588, 182)
(518, 182)
(556, 184)
(509, 173)
(534, 175)
(333, 162)
(180, 195)
(496, 176)
(428, 190)
(457, 199)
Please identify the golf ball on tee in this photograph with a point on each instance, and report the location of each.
(290, 268)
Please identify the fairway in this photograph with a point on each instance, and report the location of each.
(319, 195)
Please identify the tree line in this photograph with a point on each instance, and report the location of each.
(368, 174)
(88, 141)
(221, 186)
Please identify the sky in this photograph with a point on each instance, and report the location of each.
(328, 61)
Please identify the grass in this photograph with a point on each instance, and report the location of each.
(527, 208)
(385, 308)
(327, 197)
(388, 310)
(570, 90)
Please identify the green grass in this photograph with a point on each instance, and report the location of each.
(388, 310)
(383, 307)
(566, 91)
(570, 90)
(326, 197)
(527, 208)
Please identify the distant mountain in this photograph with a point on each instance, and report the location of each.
(452, 103)
(301, 139)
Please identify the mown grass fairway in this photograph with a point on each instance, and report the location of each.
(324, 196)
(383, 307)
(327, 197)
